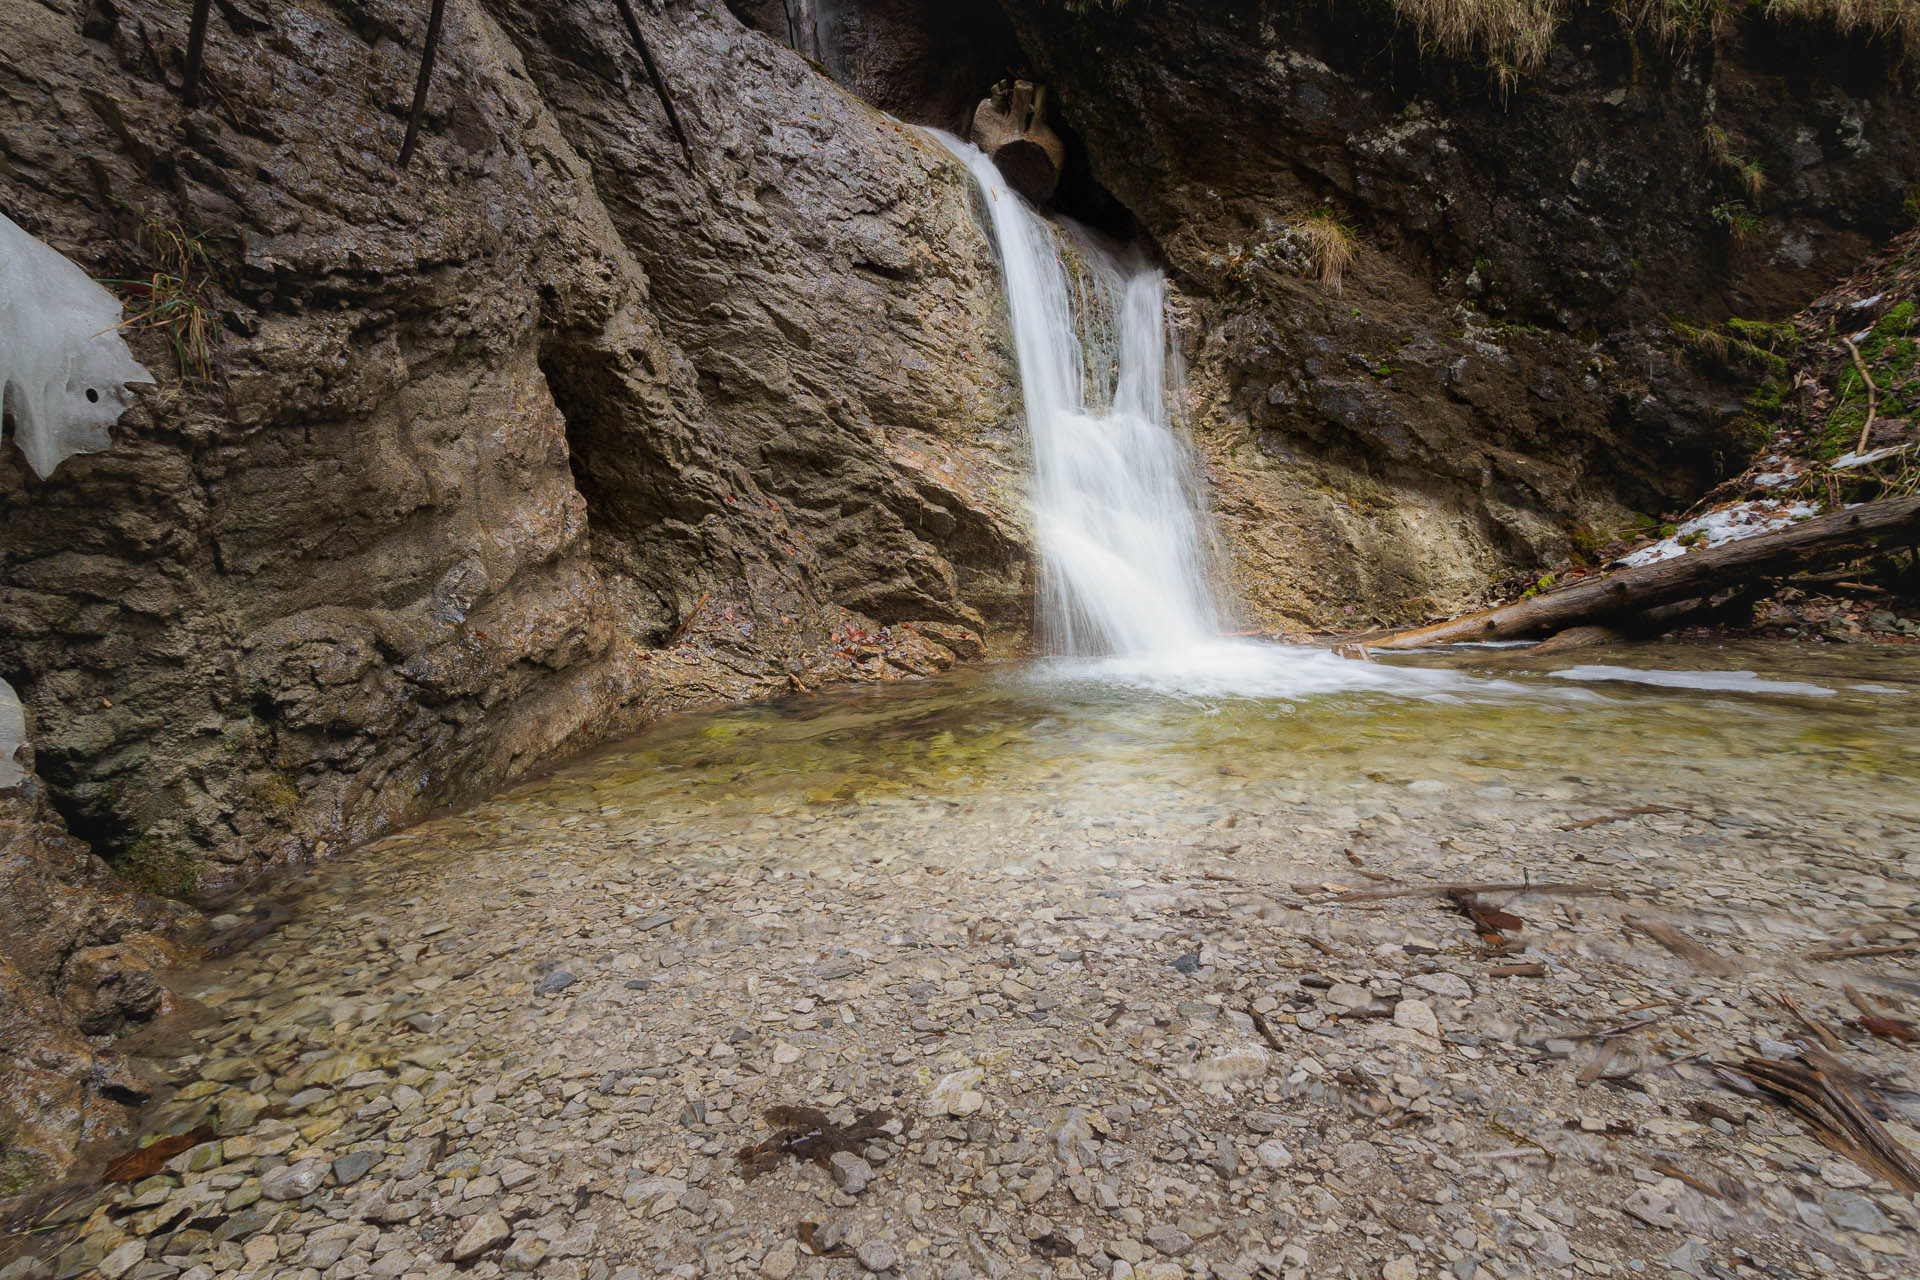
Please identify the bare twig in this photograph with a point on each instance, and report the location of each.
(1826, 1037)
(196, 50)
(1442, 890)
(419, 109)
(1619, 815)
(1854, 953)
(1873, 394)
(653, 74)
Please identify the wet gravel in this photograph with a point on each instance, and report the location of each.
(1096, 970)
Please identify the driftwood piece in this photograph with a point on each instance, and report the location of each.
(1836, 1115)
(1533, 969)
(1695, 953)
(1811, 544)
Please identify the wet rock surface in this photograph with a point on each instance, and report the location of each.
(1495, 383)
(82, 959)
(941, 905)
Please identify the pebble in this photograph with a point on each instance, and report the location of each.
(1417, 1015)
(352, 1167)
(850, 1173)
(878, 1255)
(293, 1181)
(781, 1261)
(489, 1231)
(1171, 1241)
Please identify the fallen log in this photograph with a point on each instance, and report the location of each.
(1815, 543)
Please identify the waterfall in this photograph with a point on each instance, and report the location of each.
(1125, 595)
(1123, 564)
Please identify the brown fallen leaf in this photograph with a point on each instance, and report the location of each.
(150, 1159)
(805, 1133)
(1489, 918)
(1887, 1028)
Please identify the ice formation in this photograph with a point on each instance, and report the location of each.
(1728, 524)
(13, 735)
(63, 365)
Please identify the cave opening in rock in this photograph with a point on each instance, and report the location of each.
(624, 475)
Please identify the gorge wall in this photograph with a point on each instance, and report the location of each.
(506, 451)
(509, 449)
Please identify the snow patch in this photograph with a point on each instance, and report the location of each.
(13, 736)
(1728, 524)
(63, 365)
(1848, 461)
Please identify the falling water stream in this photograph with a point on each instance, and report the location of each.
(1118, 509)
(1123, 565)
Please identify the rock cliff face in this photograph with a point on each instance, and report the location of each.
(82, 957)
(496, 454)
(1496, 382)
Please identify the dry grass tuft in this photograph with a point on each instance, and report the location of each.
(1515, 36)
(172, 298)
(1329, 247)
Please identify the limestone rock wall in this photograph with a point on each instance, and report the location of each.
(498, 454)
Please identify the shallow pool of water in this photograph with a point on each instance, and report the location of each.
(1067, 892)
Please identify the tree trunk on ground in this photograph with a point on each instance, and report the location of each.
(1840, 535)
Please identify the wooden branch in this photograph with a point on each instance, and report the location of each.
(1836, 536)
(420, 85)
(1687, 948)
(1873, 395)
(1442, 890)
(653, 74)
(196, 51)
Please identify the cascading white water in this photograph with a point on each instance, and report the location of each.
(1116, 503)
(1123, 565)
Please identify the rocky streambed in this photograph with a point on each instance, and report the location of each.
(1120, 983)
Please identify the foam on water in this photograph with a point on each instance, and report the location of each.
(1703, 681)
